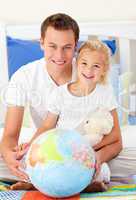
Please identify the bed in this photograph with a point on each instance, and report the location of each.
(121, 75)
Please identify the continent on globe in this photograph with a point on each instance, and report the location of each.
(60, 163)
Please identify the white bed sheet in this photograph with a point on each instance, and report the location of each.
(129, 149)
(128, 136)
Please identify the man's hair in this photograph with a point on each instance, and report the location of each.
(60, 22)
(97, 45)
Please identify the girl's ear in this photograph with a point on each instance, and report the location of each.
(103, 78)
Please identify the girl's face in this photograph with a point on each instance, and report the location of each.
(91, 66)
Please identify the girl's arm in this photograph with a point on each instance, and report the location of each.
(111, 144)
(114, 136)
(49, 123)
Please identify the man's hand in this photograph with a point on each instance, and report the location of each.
(13, 123)
(13, 161)
(97, 166)
(21, 150)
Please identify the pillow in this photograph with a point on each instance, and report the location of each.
(112, 45)
(21, 52)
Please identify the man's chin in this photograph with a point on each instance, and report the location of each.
(60, 66)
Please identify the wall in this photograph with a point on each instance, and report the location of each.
(35, 11)
(29, 11)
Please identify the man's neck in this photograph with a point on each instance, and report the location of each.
(60, 77)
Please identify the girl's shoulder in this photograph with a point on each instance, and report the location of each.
(105, 89)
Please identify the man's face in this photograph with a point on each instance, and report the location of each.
(59, 48)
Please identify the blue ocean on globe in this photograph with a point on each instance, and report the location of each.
(60, 163)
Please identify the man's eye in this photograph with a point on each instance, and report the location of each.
(68, 47)
(53, 47)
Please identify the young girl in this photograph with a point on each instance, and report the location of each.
(71, 103)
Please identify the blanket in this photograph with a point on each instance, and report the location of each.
(115, 192)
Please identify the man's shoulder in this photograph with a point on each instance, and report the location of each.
(60, 91)
(30, 68)
(33, 65)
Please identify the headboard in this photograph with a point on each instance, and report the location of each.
(124, 31)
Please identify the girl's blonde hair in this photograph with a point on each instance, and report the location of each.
(97, 45)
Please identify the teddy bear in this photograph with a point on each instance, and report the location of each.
(96, 125)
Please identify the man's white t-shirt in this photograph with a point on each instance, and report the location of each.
(72, 110)
(31, 85)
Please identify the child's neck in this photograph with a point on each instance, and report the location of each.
(78, 89)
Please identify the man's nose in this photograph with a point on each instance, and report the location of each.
(59, 53)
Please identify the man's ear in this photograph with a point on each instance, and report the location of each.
(75, 52)
(76, 48)
(42, 43)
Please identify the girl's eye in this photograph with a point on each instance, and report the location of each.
(84, 63)
(97, 66)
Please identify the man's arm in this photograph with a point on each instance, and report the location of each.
(49, 123)
(10, 138)
(13, 122)
(108, 152)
